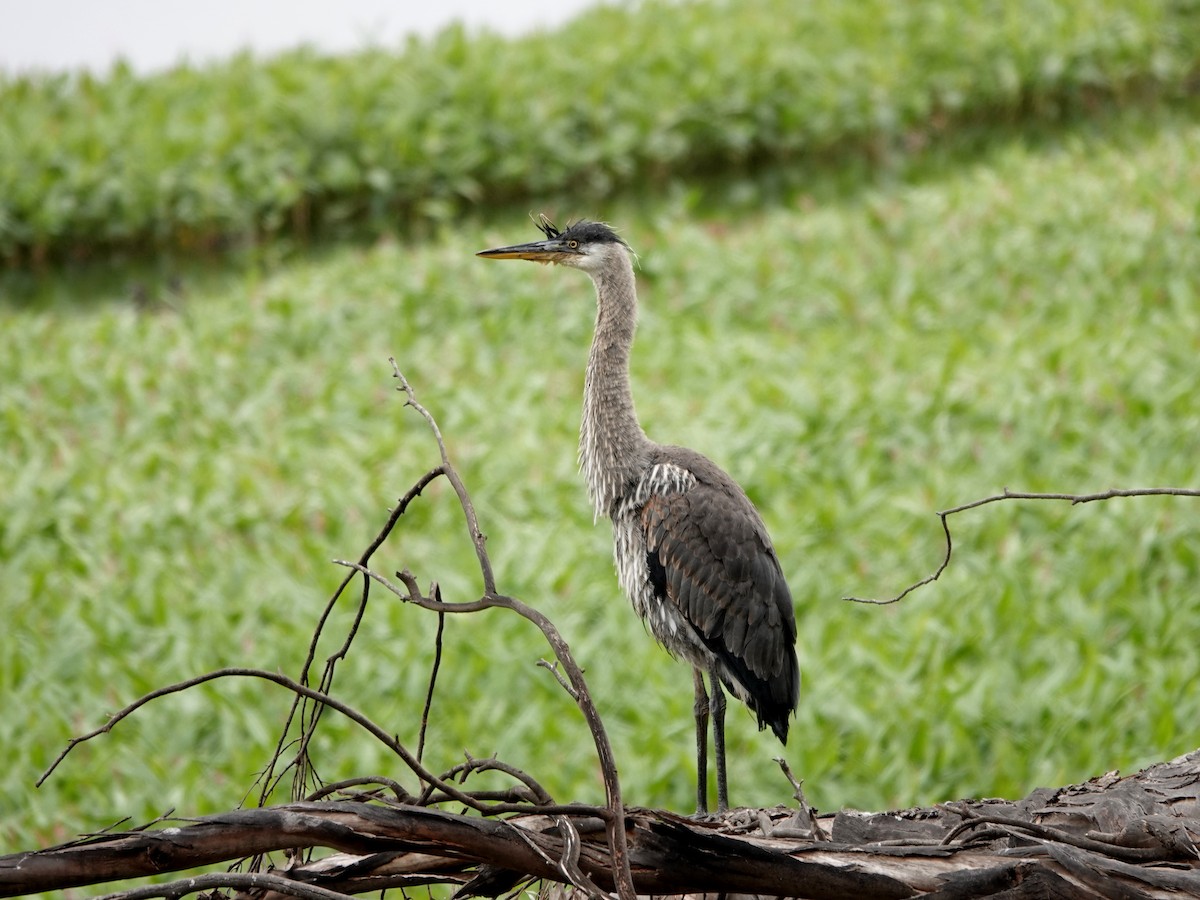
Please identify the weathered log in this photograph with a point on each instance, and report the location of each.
(1120, 837)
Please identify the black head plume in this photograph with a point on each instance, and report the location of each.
(546, 227)
(584, 231)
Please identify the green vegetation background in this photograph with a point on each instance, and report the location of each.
(952, 251)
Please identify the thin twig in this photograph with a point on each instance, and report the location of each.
(814, 823)
(433, 674)
(1073, 499)
(478, 538)
(552, 668)
(243, 881)
(797, 788)
(107, 831)
(382, 781)
(491, 764)
(412, 595)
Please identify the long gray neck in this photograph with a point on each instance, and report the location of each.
(613, 449)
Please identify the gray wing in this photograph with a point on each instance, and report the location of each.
(709, 554)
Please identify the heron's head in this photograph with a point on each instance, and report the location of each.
(583, 245)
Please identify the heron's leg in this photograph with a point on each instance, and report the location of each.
(718, 722)
(700, 710)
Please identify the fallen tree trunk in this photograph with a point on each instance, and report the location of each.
(1121, 837)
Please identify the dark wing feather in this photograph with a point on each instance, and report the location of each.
(709, 554)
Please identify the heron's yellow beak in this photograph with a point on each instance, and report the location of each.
(548, 251)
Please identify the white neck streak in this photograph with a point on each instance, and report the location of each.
(613, 449)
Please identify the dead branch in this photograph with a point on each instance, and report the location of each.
(392, 743)
(242, 881)
(1073, 499)
(1112, 836)
(397, 790)
(539, 793)
(433, 674)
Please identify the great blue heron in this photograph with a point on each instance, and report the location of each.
(691, 550)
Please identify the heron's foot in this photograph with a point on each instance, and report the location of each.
(736, 819)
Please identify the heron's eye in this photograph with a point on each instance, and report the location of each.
(574, 245)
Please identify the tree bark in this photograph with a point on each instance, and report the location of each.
(1130, 837)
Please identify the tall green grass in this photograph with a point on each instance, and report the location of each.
(242, 151)
(179, 476)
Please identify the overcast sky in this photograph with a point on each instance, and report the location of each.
(154, 34)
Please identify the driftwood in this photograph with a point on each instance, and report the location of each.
(1130, 837)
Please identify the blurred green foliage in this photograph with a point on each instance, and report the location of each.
(248, 149)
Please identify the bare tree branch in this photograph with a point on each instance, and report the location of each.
(243, 881)
(491, 764)
(1073, 499)
(433, 674)
(478, 538)
(397, 789)
(380, 734)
